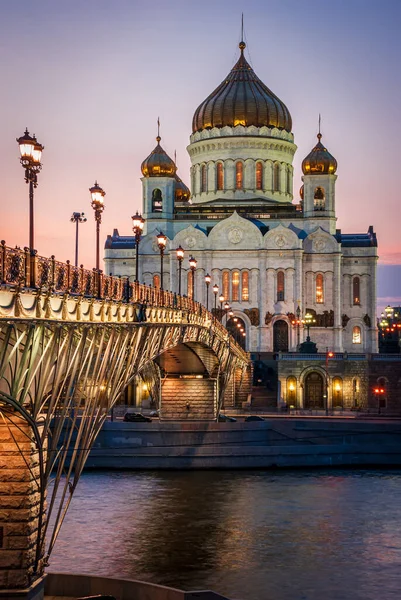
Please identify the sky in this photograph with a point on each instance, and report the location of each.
(91, 78)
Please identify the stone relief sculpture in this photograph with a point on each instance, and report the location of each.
(344, 320)
(325, 319)
(253, 314)
(268, 318)
(367, 321)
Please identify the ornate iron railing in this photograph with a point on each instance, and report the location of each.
(20, 268)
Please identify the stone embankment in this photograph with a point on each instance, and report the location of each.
(275, 442)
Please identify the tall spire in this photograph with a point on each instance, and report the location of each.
(242, 44)
(158, 131)
(319, 135)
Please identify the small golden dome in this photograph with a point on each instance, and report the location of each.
(301, 192)
(158, 163)
(182, 192)
(319, 161)
(242, 99)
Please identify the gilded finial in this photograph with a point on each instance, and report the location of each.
(158, 131)
(242, 44)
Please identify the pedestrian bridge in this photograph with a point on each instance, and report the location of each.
(71, 341)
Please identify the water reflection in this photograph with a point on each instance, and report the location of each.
(249, 535)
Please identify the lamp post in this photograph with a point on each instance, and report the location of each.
(137, 227)
(226, 309)
(161, 242)
(208, 279)
(180, 258)
(77, 218)
(31, 152)
(97, 204)
(221, 300)
(309, 320)
(215, 292)
(298, 321)
(192, 266)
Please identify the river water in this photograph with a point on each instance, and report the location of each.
(250, 535)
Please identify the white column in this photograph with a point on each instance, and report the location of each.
(229, 170)
(249, 175)
(337, 304)
(298, 291)
(211, 177)
(283, 176)
(268, 176)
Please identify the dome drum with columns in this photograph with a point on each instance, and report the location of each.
(271, 258)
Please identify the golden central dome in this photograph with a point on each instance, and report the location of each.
(158, 163)
(319, 161)
(242, 99)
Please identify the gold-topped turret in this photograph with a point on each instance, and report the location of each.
(319, 161)
(158, 163)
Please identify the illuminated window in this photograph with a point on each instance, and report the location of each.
(259, 176)
(319, 289)
(235, 286)
(337, 391)
(226, 285)
(220, 176)
(245, 286)
(280, 286)
(288, 190)
(203, 178)
(356, 285)
(291, 391)
(319, 199)
(156, 281)
(356, 335)
(276, 177)
(157, 200)
(189, 284)
(238, 175)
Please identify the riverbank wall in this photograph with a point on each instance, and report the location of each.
(275, 442)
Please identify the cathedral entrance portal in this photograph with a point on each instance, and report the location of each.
(314, 390)
(280, 336)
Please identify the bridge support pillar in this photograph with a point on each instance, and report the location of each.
(189, 398)
(21, 568)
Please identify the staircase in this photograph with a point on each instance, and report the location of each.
(264, 389)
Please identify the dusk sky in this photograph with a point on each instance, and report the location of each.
(90, 79)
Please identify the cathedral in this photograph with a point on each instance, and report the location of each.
(273, 260)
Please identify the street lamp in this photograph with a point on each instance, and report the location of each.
(77, 218)
(208, 279)
(192, 266)
(31, 152)
(309, 320)
(137, 227)
(161, 242)
(221, 300)
(180, 258)
(97, 204)
(215, 292)
(226, 309)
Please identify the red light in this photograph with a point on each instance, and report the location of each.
(381, 391)
(377, 390)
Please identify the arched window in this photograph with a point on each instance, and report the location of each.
(235, 287)
(226, 285)
(291, 392)
(189, 283)
(239, 168)
(280, 286)
(157, 200)
(245, 286)
(156, 281)
(203, 178)
(276, 177)
(356, 290)
(259, 176)
(337, 392)
(288, 190)
(356, 335)
(220, 176)
(319, 289)
(319, 199)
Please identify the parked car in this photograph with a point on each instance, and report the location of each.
(254, 418)
(154, 413)
(226, 419)
(130, 417)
